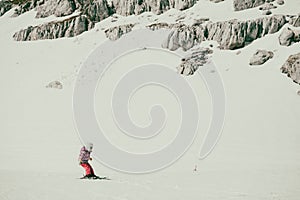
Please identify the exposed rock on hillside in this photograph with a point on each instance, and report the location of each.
(57, 8)
(193, 61)
(26, 6)
(67, 28)
(292, 68)
(260, 57)
(129, 7)
(289, 36)
(231, 34)
(184, 36)
(55, 85)
(245, 4)
(5, 6)
(295, 20)
(91, 12)
(267, 12)
(157, 26)
(280, 2)
(115, 33)
(267, 6)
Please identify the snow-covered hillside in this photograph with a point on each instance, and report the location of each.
(256, 157)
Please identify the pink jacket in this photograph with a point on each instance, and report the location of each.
(84, 155)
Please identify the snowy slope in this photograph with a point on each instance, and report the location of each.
(257, 156)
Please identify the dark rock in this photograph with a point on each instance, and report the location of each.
(289, 37)
(292, 67)
(267, 6)
(157, 26)
(115, 33)
(260, 57)
(5, 6)
(130, 7)
(67, 28)
(55, 85)
(25, 6)
(280, 2)
(267, 12)
(191, 63)
(232, 34)
(246, 4)
(295, 20)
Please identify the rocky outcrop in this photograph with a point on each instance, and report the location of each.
(245, 4)
(96, 10)
(55, 85)
(90, 13)
(266, 12)
(67, 28)
(295, 20)
(232, 34)
(157, 26)
(26, 5)
(267, 6)
(198, 57)
(260, 57)
(289, 37)
(5, 5)
(115, 33)
(292, 68)
(280, 2)
(57, 8)
(184, 36)
(130, 7)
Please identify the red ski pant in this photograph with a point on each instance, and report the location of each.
(88, 168)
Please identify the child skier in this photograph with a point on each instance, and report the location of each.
(84, 157)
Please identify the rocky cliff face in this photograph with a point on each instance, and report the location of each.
(26, 5)
(289, 36)
(130, 7)
(191, 63)
(57, 8)
(295, 20)
(292, 68)
(185, 36)
(231, 34)
(91, 12)
(5, 6)
(245, 4)
(68, 28)
(115, 33)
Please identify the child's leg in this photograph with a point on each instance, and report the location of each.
(88, 169)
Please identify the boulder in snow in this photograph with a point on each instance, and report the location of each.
(246, 4)
(260, 57)
(292, 67)
(197, 58)
(280, 2)
(289, 36)
(267, 6)
(267, 12)
(115, 33)
(55, 85)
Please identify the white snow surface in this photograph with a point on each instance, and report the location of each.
(257, 156)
